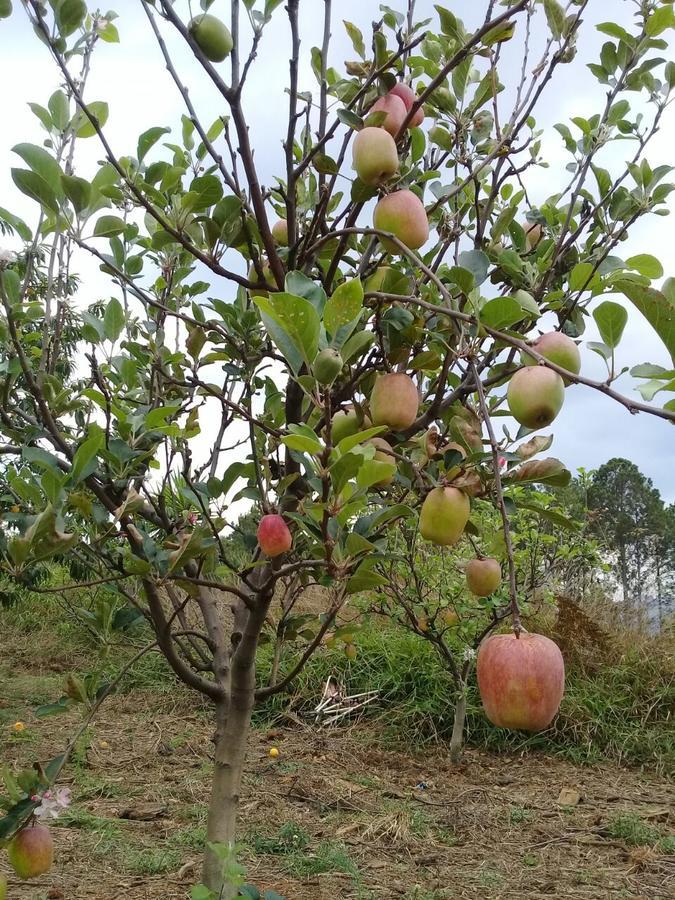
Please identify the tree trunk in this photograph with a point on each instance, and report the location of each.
(230, 752)
(457, 739)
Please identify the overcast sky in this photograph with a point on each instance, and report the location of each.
(132, 78)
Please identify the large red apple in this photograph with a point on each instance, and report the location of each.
(273, 534)
(31, 851)
(521, 680)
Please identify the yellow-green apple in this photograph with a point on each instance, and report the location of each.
(394, 400)
(31, 851)
(533, 234)
(280, 232)
(395, 111)
(347, 422)
(211, 36)
(406, 93)
(273, 535)
(327, 365)
(403, 215)
(558, 348)
(374, 156)
(383, 453)
(444, 515)
(483, 576)
(521, 680)
(450, 617)
(536, 396)
(269, 278)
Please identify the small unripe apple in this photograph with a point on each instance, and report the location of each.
(31, 851)
(327, 366)
(533, 234)
(274, 535)
(396, 112)
(374, 156)
(350, 651)
(558, 348)
(5, 12)
(483, 576)
(444, 515)
(269, 278)
(345, 423)
(521, 680)
(280, 232)
(211, 36)
(403, 215)
(406, 93)
(450, 617)
(394, 400)
(536, 396)
(383, 453)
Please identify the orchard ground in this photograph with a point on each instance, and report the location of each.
(351, 812)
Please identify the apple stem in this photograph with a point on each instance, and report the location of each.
(499, 494)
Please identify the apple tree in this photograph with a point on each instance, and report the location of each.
(288, 344)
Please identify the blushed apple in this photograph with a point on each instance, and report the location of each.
(274, 535)
(483, 576)
(403, 215)
(394, 400)
(31, 851)
(536, 395)
(374, 156)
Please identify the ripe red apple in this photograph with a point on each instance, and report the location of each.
(521, 680)
(406, 93)
(483, 576)
(396, 112)
(31, 851)
(273, 534)
(211, 36)
(374, 156)
(383, 454)
(403, 214)
(536, 396)
(444, 515)
(394, 400)
(280, 232)
(558, 348)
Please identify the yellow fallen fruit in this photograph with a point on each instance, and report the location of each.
(274, 752)
(18, 726)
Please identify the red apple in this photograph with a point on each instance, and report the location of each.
(406, 93)
(521, 680)
(31, 851)
(396, 112)
(273, 534)
(403, 214)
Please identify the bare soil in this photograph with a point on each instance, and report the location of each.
(358, 820)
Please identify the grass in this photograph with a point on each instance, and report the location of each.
(635, 832)
(292, 843)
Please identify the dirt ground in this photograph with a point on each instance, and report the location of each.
(336, 815)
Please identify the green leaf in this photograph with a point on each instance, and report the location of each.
(293, 324)
(373, 471)
(660, 20)
(501, 312)
(148, 139)
(11, 285)
(349, 118)
(344, 306)
(646, 264)
(36, 187)
(84, 461)
(658, 307)
(544, 471)
(77, 190)
(60, 110)
(16, 223)
(53, 709)
(356, 38)
(550, 514)
(611, 320)
(303, 443)
(476, 262)
(356, 345)
(17, 817)
(555, 16)
(364, 579)
(205, 191)
(584, 277)
(43, 164)
(82, 125)
(108, 226)
(113, 319)
(69, 15)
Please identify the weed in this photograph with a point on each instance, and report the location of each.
(519, 815)
(151, 861)
(630, 828)
(328, 857)
(289, 839)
